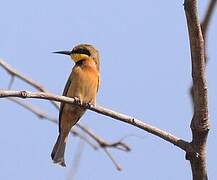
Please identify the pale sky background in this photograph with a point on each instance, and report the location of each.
(145, 72)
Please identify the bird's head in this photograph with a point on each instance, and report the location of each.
(81, 52)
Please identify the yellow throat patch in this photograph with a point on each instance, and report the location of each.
(78, 57)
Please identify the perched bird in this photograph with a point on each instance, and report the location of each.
(83, 83)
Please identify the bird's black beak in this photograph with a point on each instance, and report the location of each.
(64, 52)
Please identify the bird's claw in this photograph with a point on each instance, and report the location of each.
(80, 103)
(77, 101)
(88, 105)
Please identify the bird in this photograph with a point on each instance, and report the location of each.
(83, 84)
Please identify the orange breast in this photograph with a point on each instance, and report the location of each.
(84, 82)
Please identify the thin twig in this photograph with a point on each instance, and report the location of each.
(14, 73)
(43, 115)
(104, 144)
(118, 167)
(76, 161)
(33, 109)
(11, 82)
(205, 24)
(207, 18)
(107, 112)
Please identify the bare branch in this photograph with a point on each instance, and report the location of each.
(107, 112)
(200, 122)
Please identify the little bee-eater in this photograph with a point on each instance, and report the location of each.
(83, 83)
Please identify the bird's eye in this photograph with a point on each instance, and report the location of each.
(81, 51)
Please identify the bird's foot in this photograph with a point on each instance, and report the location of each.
(88, 105)
(78, 101)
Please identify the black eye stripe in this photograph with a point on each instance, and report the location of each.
(81, 51)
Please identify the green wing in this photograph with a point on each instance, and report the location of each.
(64, 94)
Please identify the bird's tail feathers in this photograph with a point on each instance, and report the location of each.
(57, 154)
